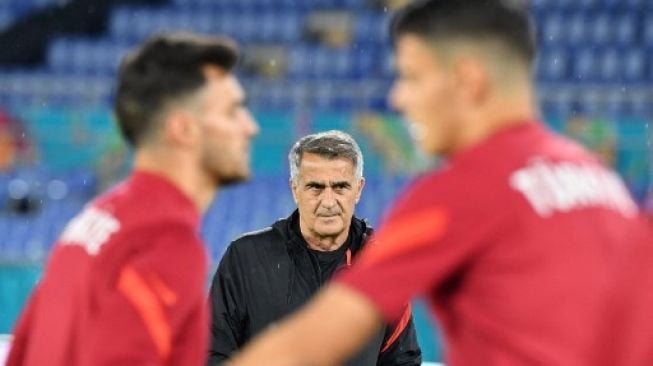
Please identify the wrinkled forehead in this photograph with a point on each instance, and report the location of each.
(313, 166)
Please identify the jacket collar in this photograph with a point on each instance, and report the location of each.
(360, 231)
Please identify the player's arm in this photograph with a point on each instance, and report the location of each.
(424, 242)
(345, 320)
(20, 339)
(227, 318)
(154, 311)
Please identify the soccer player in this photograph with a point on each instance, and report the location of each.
(125, 282)
(529, 251)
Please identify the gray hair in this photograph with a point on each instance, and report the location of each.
(330, 144)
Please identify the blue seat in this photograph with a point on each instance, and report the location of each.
(585, 4)
(609, 68)
(557, 103)
(585, 65)
(121, 23)
(553, 28)
(552, 64)
(611, 4)
(58, 54)
(625, 28)
(576, 28)
(300, 62)
(637, 5)
(634, 63)
(371, 27)
(287, 27)
(602, 29)
(647, 31)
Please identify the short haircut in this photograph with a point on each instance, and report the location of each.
(166, 69)
(331, 145)
(504, 21)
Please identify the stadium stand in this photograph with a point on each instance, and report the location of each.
(303, 75)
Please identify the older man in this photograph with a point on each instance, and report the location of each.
(267, 274)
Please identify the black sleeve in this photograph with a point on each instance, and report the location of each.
(400, 347)
(227, 318)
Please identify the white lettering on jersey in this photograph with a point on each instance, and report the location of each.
(565, 186)
(90, 230)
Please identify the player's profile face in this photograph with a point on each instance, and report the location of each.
(326, 193)
(227, 128)
(423, 94)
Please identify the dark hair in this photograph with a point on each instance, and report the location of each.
(165, 68)
(329, 144)
(506, 21)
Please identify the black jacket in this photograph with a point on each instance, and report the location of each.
(268, 274)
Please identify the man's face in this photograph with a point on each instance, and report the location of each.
(423, 94)
(227, 128)
(326, 192)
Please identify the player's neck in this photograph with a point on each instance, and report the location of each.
(180, 172)
(505, 111)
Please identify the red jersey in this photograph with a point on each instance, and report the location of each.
(529, 252)
(123, 286)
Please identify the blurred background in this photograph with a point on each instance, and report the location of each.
(308, 66)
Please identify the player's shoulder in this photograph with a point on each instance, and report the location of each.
(153, 237)
(445, 181)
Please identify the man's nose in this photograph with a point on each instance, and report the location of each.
(328, 198)
(250, 123)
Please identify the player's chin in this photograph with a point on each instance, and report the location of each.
(227, 179)
(432, 147)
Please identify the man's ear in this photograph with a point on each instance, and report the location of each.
(293, 188)
(181, 128)
(472, 79)
(361, 184)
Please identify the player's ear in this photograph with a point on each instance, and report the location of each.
(471, 79)
(181, 128)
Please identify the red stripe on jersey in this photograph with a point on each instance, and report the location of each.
(143, 298)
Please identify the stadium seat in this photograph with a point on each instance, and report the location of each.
(552, 64)
(601, 29)
(634, 65)
(585, 65)
(371, 27)
(625, 27)
(552, 28)
(647, 31)
(609, 69)
(576, 28)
